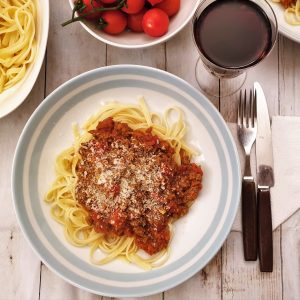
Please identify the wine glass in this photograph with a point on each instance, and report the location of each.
(231, 36)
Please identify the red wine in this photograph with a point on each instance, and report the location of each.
(233, 33)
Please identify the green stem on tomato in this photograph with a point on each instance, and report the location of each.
(99, 9)
(79, 6)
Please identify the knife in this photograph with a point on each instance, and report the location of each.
(265, 180)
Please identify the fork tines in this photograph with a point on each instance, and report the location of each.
(247, 110)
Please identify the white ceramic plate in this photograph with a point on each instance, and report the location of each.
(132, 40)
(290, 31)
(197, 236)
(13, 97)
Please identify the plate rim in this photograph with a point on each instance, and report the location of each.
(151, 70)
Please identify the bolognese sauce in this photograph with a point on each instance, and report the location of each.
(131, 186)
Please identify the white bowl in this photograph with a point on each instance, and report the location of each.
(133, 40)
(11, 98)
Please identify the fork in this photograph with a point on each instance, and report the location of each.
(247, 130)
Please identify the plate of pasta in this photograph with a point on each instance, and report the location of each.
(23, 40)
(288, 17)
(126, 181)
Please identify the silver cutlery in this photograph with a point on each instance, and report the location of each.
(247, 129)
(265, 180)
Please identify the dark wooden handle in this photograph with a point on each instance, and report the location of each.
(265, 236)
(249, 219)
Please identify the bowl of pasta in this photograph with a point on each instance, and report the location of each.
(288, 17)
(126, 181)
(132, 24)
(23, 40)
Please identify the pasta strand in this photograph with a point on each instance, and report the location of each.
(18, 44)
(67, 211)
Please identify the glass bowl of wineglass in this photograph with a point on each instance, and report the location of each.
(231, 36)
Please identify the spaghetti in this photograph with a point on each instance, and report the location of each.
(292, 11)
(76, 164)
(17, 40)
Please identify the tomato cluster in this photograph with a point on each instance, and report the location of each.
(114, 16)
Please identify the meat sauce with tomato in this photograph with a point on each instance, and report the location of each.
(287, 3)
(131, 186)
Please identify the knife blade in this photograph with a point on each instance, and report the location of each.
(265, 180)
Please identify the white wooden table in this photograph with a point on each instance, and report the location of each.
(72, 51)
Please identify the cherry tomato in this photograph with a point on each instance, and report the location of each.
(89, 6)
(135, 21)
(116, 21)
(109, 4)
(108, 1)
(170, 7)
(155, 22)
(153, 2)
(133, 6)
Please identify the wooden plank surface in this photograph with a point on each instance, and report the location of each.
(243, 280)
(20, 267)
(206, 284)
(67, 52)
(227, 276)
(289, 104)
(54, 287)
(290, 242)
(152, 57)
(289, 77)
